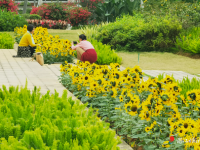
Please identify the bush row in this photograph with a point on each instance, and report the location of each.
(9, 20)
(32, 121)
(134, 33)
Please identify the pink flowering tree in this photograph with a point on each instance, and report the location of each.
(10, 5)
(79, 16)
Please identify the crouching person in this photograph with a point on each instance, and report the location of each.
(85, 50)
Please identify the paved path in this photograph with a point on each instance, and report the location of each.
(15, 71)
(178, 75)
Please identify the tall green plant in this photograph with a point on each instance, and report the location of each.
(105, 55)
(189, 41)
(92, 31)
(111, 9)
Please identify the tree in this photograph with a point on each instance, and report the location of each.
(25, 6)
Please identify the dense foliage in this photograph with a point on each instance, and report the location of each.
(105, 55)
(9, 20)
(144, 113)
(111, 9)
(31, 121)
(6, 41)
(189, 41)
(31, 16)
(134, 33)
(9, 5)
(187, 12)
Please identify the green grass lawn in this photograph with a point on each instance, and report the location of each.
(160, 61)
(147, 60)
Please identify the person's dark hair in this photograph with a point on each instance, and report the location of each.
(30, 27)
(83, 37)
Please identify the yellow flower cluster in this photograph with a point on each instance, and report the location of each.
(127, 86)
(49, 43)
(102, 78)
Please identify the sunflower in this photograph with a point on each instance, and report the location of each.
(121, 98)
(86, 78)
(147, 129)
(166, 144)
(181, 132)
(133, 110)
(145, 114)
(113, 93)
(93, 85)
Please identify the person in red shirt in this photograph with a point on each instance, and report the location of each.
(85, 50)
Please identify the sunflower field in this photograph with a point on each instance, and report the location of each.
(53, 48)
(148, 114)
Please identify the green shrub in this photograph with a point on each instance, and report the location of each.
(136, 34)
(26, 16)
(34, 16)
(105, 55)
(91, 31)
(189, 41)
(6, 41)
(28, 10)
(29, 120)
(9, 20)
(187, 11)
(31, 16)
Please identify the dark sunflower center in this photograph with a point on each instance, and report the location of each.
(134, 108)
(86, 78)
(181, 131)
(147, 115)
(185, 125)
(129, 79)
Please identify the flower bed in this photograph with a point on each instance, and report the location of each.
(6, 41)
(53, 48)
(31, 121)
(49, 24)
(148, 113)
(68, 12)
